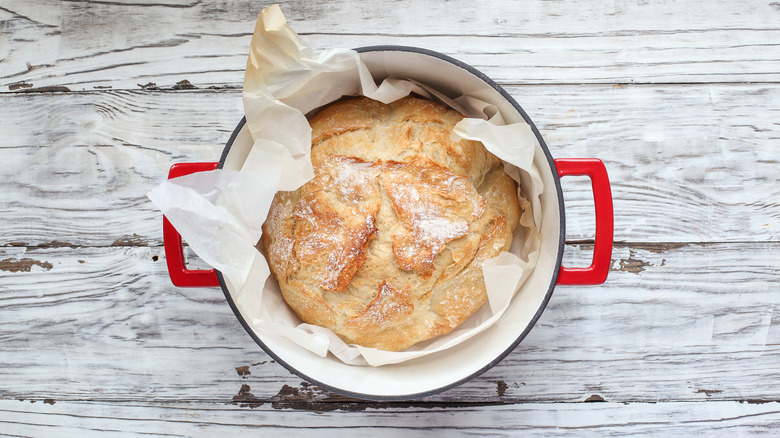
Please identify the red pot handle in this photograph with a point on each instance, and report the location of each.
(597, 272)
(174, 253)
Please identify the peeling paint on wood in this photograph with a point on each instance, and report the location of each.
(709, 392)
(184, 85)
(244, 398)
(501, 387)
(312, 398)
(134, 240)
(18, 85)
(632, 265)
(46, 89)
(23, 265)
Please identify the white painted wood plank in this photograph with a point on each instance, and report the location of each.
(688, 323)
(67, 419)
(687, 163)
(121, 45)
(406, 17)
(95, 339)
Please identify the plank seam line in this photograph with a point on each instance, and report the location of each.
(386, 405)
(211, 88)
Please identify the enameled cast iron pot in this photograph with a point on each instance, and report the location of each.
(440, 371)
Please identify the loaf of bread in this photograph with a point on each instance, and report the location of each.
(385, 245)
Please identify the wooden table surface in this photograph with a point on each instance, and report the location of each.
(679, 99)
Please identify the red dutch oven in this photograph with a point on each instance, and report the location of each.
(443, 370)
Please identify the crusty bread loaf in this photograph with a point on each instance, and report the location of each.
(385, 245)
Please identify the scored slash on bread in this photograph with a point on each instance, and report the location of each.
(385, 244)
(434, 204)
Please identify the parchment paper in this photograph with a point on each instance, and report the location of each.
(220, 213)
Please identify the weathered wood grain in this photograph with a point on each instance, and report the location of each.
(123, 45)
(673, 323)
(207, 419)
(678, 99)
(687, 163)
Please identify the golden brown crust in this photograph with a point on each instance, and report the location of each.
(435, 206)
(385, 245)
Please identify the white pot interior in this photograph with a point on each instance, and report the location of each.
(444, 369)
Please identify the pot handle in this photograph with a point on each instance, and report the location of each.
(597, 272)
(174, 253)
